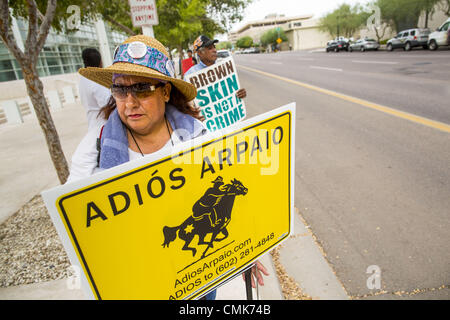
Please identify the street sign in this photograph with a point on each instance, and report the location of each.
(216, 94)
(179, 224)
(279, 40)
(143, 13)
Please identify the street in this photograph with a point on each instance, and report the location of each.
(372, 160)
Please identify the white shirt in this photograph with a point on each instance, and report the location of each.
(93, 97)
(84, 160)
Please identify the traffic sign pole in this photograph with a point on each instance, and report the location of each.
(248, 284)
(148, 31)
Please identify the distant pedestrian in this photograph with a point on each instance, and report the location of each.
(92, 95)
(186, 64)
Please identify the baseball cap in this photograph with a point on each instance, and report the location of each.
(202, 42)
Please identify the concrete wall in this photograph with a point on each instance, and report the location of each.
(59, 90)
(308, 36)
(17, 88)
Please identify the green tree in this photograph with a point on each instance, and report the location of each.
(244, 42)
(182, 21)
(344, 21)
(226, 12)
(405, 14)
(41, 15)
(224, 45)
(445, 6)
(270, 36)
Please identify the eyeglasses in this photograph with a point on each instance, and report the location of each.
(141, 90)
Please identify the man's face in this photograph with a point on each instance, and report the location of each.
(208, 54)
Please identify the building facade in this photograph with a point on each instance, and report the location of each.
(256, 29)
(306, 36)
(62, 52)
(303, 32)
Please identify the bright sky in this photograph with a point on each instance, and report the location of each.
(261, 8)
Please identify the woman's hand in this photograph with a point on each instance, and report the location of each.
(257, 271)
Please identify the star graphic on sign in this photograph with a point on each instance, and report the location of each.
(189, 229)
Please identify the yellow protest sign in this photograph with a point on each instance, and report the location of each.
(177, 226)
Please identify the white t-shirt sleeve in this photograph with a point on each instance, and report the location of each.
(101, 95)
(84, 160)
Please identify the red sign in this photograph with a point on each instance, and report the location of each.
(186, 64)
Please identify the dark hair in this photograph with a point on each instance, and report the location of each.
(189, 50)
(91, 57)
(177, 99)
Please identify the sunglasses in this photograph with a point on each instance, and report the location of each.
(141, 90)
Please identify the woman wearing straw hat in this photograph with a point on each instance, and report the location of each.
(147, 112)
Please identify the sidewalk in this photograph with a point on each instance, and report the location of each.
(27, 170)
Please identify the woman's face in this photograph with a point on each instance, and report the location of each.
(146, 114)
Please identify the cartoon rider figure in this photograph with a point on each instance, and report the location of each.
(206, 204)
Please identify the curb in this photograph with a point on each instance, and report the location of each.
(304, 261)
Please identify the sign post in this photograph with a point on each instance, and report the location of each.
(178, 224)
(144, 14)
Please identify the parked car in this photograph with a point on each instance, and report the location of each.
(364, 44)
(409, 39)
(222, 54)
(440, 36)
(337, 46)
(251, 50)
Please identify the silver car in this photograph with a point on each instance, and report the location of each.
(364, 44)
(409, 39)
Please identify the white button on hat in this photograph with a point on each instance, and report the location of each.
(137, 49)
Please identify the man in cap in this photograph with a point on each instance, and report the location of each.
(205, 49)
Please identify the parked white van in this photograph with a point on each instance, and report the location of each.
(439, 37)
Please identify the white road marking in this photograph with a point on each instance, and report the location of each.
(374, 62)
(324, 68)
(275, 62)
(430, 56)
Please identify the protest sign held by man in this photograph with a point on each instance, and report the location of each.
(219, 94)
(205, 48)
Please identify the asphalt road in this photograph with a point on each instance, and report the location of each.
(373, 186)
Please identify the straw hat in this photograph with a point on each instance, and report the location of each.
(140, 56)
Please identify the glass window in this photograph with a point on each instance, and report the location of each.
(7, 75)
(445, 26)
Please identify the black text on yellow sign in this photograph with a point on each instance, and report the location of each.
(180, 226)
